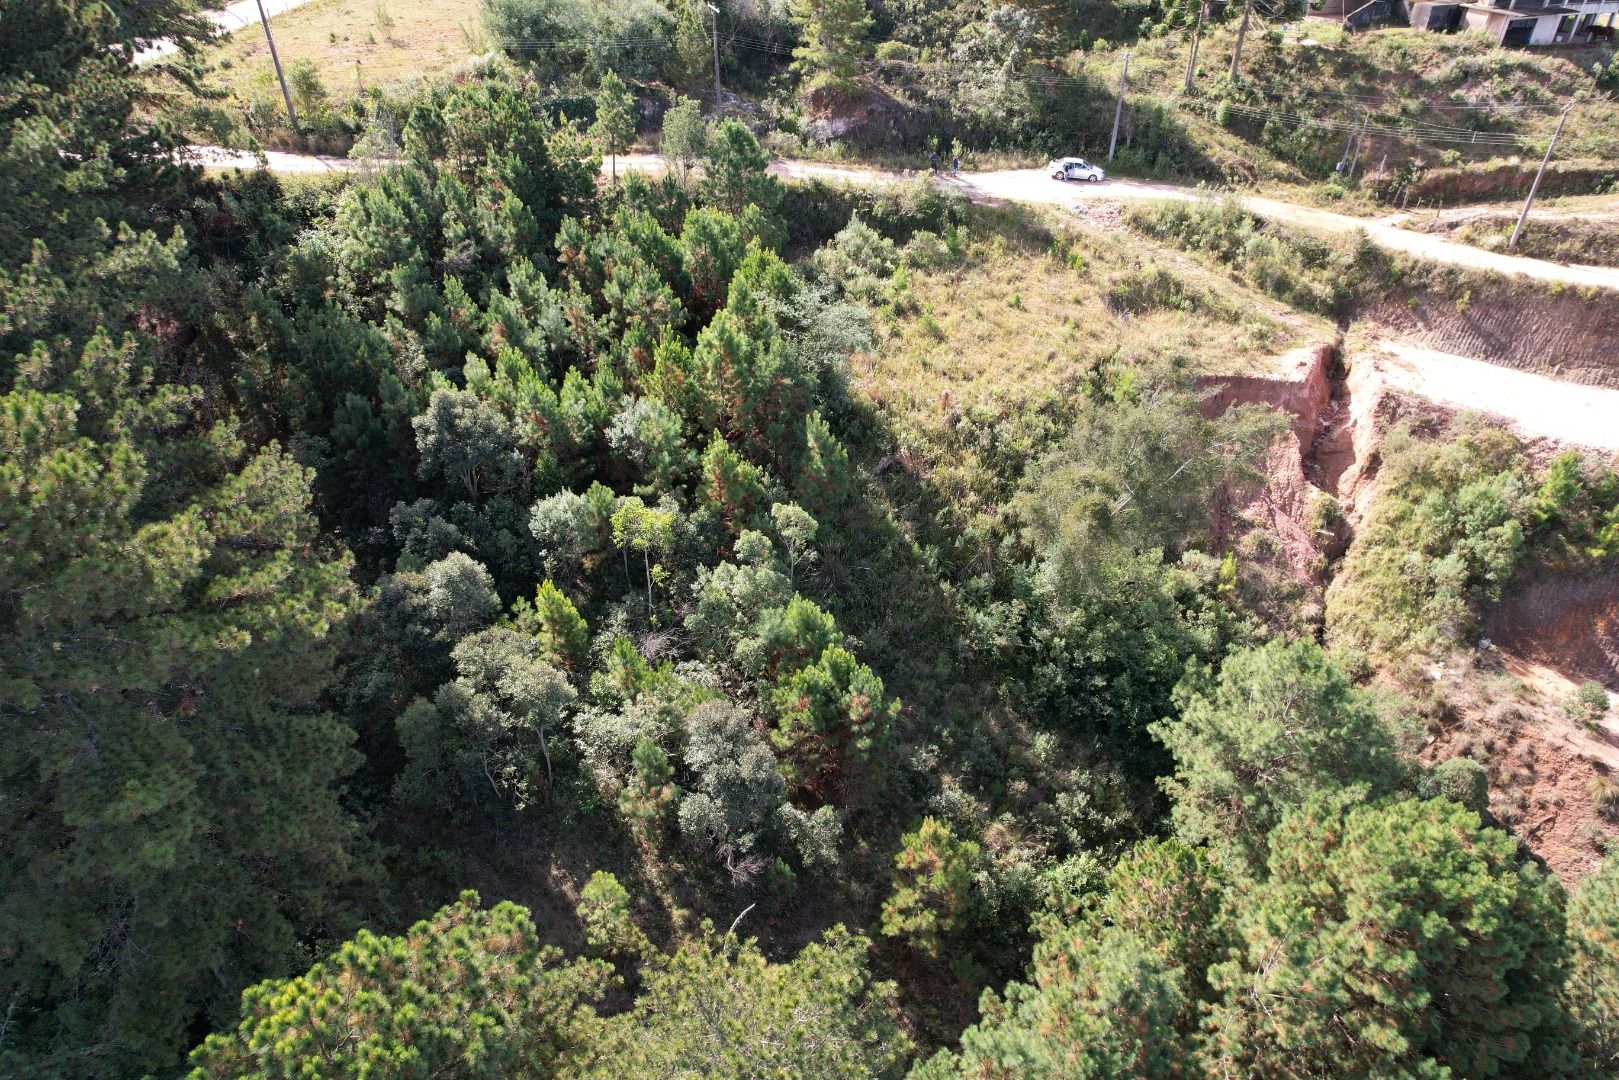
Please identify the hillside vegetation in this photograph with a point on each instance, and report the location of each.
(478, 618)
(896, 81)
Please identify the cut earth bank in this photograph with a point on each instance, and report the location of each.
(1504, 704)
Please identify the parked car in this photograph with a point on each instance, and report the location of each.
(1073, 168)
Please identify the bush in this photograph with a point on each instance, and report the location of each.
(1589, 705)
(1461, 780)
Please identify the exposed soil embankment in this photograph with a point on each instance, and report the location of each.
(1564, 334)
(1301, 387)
(1568, 624)
(1304, 389)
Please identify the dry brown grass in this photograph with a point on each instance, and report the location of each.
(987, 365)
(350, 49)
(1013, 323)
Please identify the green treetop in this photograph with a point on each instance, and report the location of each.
(469, 994)
(1404, 940)
(834, 41)
(1281, 723)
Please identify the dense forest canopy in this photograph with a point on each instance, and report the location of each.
(483, 520)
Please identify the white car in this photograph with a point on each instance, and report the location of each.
(1073, 168)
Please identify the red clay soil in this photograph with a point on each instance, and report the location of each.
(1568, 624)
(1545, 769)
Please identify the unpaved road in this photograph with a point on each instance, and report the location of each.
(228, 20)
(1035, 186)
(1535, 404)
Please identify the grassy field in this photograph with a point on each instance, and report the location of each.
(986, 363)
(1412, 76)
(355, 44)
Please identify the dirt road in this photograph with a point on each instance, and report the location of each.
(1034, 186)
(228, 20)
(1534, 404)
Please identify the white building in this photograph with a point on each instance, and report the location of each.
(1521, 22)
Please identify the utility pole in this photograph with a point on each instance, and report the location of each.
(1349, 144)
(1535, 187)
(292, 114)
(1118, 109)
(1360, 140)
(718, 100)
(1242, 32)
(1191, 61)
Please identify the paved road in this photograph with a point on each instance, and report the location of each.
(229, 19)
(1035, 186)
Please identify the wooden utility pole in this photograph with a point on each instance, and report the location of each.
(1242, 32)
(286, 95)
(718, 100)
(1535, 187)
(1118, 109)
(1191, 61)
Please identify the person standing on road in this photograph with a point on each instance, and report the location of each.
(955, 166)
(933, 161)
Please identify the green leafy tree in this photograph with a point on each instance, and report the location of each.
(467, 441)
(933, 886)
(1442, 542)
(615, 118)
(737, 787)
(468, 994)
(479, 736)
(716, 1008)
(685, 139)
(1593, 969)
(1283, 722)
(797, 531)
(427, 612)
(1461, 780)
(1401, 940)
(834, 42)
(639, 527)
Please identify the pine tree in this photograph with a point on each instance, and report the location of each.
(717, 1008)
(735, 177)
(834, 43)
(562, 632)
(1593, 970)
(470, 993)
(933, 886)
(1402, 940)
(1283, 722)
(833, 717)
(615, 118)
(171, 814)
